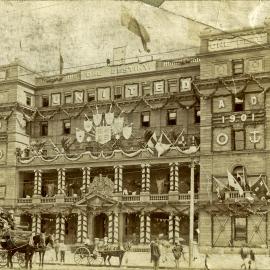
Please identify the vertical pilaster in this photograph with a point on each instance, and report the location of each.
(57, 228)
(62, 228)
(171, 230)
(37, 182)
(121, 228)
(143, 178)
(174, 176)
(86, 179)
(110, 228)
(171, 176)
(34, 224)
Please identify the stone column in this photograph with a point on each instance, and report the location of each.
(36, 224)
(110, 228)
(86, 179)
(171, 229)
(142, 228)
(174, 176)
(118, 178)
(61, 180)
(115, 228)
(121, 228)
(176, 228)
(91, 226)
(37, 182)
(82, 227)
(145, 177)
(147, 229)
(60, 228)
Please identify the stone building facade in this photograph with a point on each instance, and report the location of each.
(109, 152)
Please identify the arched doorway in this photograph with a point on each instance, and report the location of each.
(100, 226)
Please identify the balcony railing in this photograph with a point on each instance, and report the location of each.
(183, 197)
(71, 199)
(236, 195)
(131, 198)
(159, 197)
(48, 200)
(24, 200)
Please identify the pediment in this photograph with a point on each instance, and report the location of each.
(96, 200)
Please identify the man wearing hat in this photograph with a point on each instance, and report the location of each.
(155, 254)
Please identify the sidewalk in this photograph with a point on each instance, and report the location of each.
(142, 260)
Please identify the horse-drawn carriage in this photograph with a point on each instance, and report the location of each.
(96, 255)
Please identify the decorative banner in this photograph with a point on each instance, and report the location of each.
(127, 132)
(97, 119)
(88, 125)
(109, 117)
(80, 135)
(103, 134)
(117, 125)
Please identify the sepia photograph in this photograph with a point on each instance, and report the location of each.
(135, 134)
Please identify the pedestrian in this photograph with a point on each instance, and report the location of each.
(244, 252)
(56, 249)
(206, 262)
(62, 249)
(155, 254)
(177, 251)
(252, 262)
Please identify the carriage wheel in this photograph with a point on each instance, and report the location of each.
(95, 259)
(81, 255)
(20, 259)
(3, 258)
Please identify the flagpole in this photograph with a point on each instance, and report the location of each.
(191, 214)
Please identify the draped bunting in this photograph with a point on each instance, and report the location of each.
(101, 155)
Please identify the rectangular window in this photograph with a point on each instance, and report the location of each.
(90, 97)
(45, 101)
(44, 128)
(68, 98)
(66, 127)
(172, 86)
(240, 228)
(146, 89)
(117, 94)
(171, 117)
(145, 119)
(238, 140)
(238, 104)
(28, 100)
(238, 67)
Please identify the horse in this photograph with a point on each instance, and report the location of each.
(107, 253)
(42, 246)
(23, 247)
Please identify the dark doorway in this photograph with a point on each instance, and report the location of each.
(100, 226)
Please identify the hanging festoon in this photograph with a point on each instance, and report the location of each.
(102, 128)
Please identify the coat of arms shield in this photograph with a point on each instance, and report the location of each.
(97, 119)
(103, 134)
(80, 135)
(127, 132)
(88, 124)
(117, 125)
(109, 118)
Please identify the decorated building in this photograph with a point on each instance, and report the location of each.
(127, 151)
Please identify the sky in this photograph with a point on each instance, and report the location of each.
(85, 32)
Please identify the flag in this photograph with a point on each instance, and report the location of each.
(133, 26)
(61, 61)
(233, 183)
(220, 188)
(163, 144)
(152, 141)
(242, 178)
(260, 189)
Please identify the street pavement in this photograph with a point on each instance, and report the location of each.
(141, 260)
